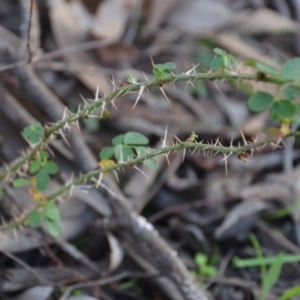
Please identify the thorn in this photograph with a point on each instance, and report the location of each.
(152, 62)
(63, 137)
(77, 122)
(99, 180)
(192, 69)
(97, 93)
(86, 103)
(163, 92)
(243, 137)
(141, 90)
(135, 167)
(183, 156)
(194, 151)
(218, 89)
(165, 137)
(173, 84)
(113, 83)
(217, 142)
(177, 139)
(191, 83)
(71, 192)
(215, 153)
(116, 176)
(145, 76)
(113, 103)
(103, 109)
(167, 158)
(225, 159)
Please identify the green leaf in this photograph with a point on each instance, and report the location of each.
(200, 259)
(166, 73)
(217, 63)
(92, 124)
(135, 138)
(34, 132)
(163, 70)
(275, 117)
(151, 163)
(291, 70)
(53, 227)
(35, 219)
(119, 139)
(220, 52)
(289, 294)
(107, 152)
(1, 194)
(132, 79)
(35, 166)
(290, 93)
(256, 262)
(159, 66)
(284, 109)
(50, 167)
(51, 211)
(229, 61)
(210, 271)
(77, 293)
(42, 180)
(140, 150)
(262, 67)
(169, 66)
(260, 101)
(273, 274)
(123, 153)
(158, 71)
(17, 183)
(34, 138)
(44, 155)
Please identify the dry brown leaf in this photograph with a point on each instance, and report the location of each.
(197, 17)
(265, 21)
(118, 53)
(157, 15)
(255, 124)
(69, 32)
(111, 19)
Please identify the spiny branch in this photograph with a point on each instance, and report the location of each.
(165, 150)
(136, 87)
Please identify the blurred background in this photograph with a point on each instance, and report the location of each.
(78, 47)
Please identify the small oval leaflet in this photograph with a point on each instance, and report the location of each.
(35, 219)
(124, 153)
(260, 101)
(291, 70)
(21, 182)
(135, 138)
(107, 152)
(284, 109)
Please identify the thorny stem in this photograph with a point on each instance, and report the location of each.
(165, 150)
(121, 91)
(89, 108)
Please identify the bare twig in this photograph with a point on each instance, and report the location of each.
(28, 32)
(135, 230)
(180, 208)
(104, 281)
(38, 276)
